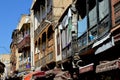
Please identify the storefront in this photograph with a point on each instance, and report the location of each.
(108, 70)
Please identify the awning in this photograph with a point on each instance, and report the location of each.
(39, 74)
(101, 41)
(110, 65)
(35, 73)
(86, 68)
(28, 76)
(105, 46)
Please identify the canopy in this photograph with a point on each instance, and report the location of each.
(35, 73)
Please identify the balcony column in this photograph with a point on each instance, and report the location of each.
(32, 27)
(46, 50)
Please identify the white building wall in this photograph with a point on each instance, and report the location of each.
(32, 40)
(58, 57)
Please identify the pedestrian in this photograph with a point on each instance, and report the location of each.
(75, 76)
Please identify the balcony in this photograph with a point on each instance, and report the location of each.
(43, 24)
(50, 57)
(25, 42)
(50, 45)
(36, 57)
(93, 34)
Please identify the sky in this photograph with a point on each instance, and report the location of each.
(10, 14)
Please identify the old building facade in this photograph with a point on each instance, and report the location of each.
(45, 16)
(5, 63)
(77, 35)
(23, 43)
(14, 56)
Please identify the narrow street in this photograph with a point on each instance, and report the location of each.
(65, 40)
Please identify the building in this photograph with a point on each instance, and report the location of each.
(66, 38)
(94, 37)
(14, 56)
(108, 59)
(45, 15)
(76, 35)
(5, 59)
(23, 43)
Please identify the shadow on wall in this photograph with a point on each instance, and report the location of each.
(2, 66)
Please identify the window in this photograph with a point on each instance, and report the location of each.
(43, 12)
(103, 8)
(58, 44)
(50, 56)
(49, 5)
(64, 56)
(82, 26)
(92, 34)
(39, 45)
(103, 27)
(84, 40)
(92, 17)
(63, 39)
(43, 62)
(43, 46)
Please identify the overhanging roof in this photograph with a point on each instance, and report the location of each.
(37, 4)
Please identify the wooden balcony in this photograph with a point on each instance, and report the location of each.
(50, 45)
(36, 57)
(24, 43)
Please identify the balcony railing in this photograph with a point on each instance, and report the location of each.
(24, 42)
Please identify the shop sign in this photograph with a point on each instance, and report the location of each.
(108, 66)
(86, 68)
